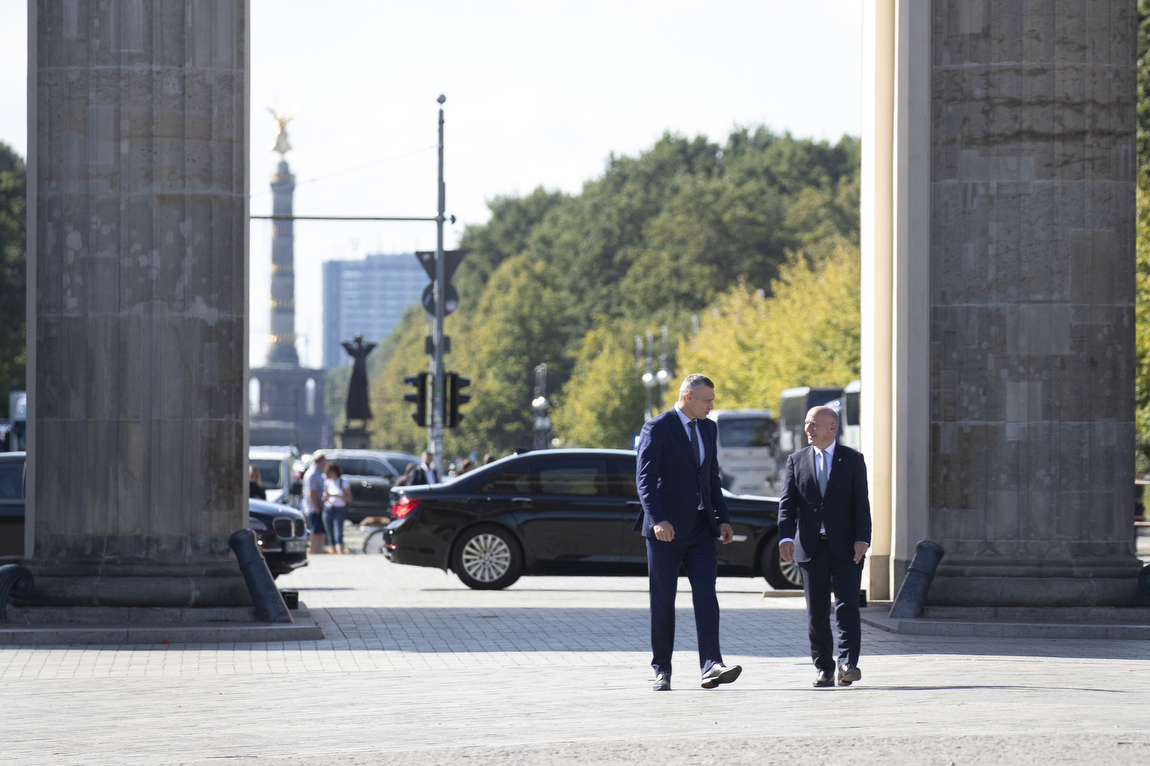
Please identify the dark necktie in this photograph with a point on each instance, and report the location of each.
(694, 442)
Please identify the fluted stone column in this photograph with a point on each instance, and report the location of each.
(138, 261)
(1032, 302)
(281, 340)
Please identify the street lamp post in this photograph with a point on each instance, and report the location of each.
(663, 375)
(435, 428)
(649, 380)
(540, 405)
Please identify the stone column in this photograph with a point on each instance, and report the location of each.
(877, 218)
(281, 341)
(1032, 302)
(138, 269)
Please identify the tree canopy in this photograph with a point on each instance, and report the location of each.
(569, 280)
(13, 273)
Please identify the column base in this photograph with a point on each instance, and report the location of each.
(354, 438)
(1102, 581)
(212, 584)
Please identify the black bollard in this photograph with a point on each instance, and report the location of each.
(15, 580)
(270, 606)
(1143, 580)
(916, 584)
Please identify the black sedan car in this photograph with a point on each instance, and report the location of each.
(558, 512)
(281, 533)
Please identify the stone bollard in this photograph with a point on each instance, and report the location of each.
(916, 584)
(15, 580)
(270, 606)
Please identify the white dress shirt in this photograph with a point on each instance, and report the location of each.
(826, 456)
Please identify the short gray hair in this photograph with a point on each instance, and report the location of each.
(694, 381)
(318, 455)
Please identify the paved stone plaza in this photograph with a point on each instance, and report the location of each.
(416, 669)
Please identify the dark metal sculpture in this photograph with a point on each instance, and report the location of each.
(270, 606)
(1144, 580)
(916, 584)
(358, 407)
(16, 581)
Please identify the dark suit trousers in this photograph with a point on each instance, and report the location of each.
(822, 575)
(698, 553)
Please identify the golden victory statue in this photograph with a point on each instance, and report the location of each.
(281, 145)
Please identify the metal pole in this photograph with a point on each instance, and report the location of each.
(539, 404)
(664, 374)
(649, 375)
(435, 430)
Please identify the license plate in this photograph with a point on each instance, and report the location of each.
(295, 546)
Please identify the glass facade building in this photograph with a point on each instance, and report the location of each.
(366, 297)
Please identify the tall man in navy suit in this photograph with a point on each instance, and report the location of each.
(824, 525)
(677, 474)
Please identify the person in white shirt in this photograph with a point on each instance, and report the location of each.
(336, 499)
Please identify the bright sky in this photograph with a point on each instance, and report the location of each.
(537, 94)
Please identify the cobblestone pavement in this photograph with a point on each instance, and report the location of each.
(416, 669)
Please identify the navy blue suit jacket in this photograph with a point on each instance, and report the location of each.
(844, 511)
(670, 487)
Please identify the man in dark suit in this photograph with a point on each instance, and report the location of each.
(824, 525)
(677, 474)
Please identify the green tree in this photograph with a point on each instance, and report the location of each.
(1142, 249)
(602, 403)
(506, 233)
(655, 238)
(807, 333)
(13, 272)
(521, 320)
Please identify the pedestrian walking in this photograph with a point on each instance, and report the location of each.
(425, 474)
(825, 526)
(677, 474)
(255, 489)
(336, 499)
(313, 482)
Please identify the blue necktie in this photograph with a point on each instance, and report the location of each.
(821, 465)
(694, 442)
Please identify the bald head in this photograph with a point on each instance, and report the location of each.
(821, 426)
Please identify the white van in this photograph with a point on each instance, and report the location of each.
(748, 443)
(277, 473)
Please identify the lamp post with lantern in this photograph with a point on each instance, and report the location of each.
(540, 404)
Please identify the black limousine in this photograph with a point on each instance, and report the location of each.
(281, 534)
(558, 512)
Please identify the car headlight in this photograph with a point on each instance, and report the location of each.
(257, 525)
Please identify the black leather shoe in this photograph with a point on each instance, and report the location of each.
(662, 682)
(846, 675)
(720, 674)
(824, 679)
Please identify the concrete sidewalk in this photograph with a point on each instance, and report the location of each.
(417, 669)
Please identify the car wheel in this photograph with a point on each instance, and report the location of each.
(780, 575)
(487, 558)
(373, 543)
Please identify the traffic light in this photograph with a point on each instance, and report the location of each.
(455, 384)
(419, 398)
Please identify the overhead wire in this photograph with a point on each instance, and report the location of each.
(345, 171)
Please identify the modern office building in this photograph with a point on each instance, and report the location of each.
(366, 297)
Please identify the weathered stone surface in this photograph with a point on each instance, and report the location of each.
(1032, 302)
(140, 275)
